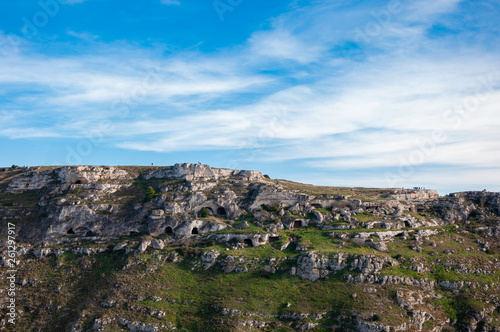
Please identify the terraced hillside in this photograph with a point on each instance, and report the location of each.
(195, 248)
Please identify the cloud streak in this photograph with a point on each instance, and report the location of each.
(331, 87)
(171, 2)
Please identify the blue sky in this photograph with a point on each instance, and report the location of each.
(350, 93)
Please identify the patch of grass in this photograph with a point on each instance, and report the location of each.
(417, 215)
(250, 292)
(316, 239)
(247, 216)
(366, 217)
(441, 273)
(278, 244)
(344, 191)
(261, 252)
(401, 271)
(88, 285)
(272, 209)
(447, 304)
(253, 229)
(324, 211)
(459, 307)
(68, 256)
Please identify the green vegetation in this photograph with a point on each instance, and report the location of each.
(448, 304)
(403, 272)
(191, 297)
(272, 209)
(366, 217)
(204, 213)
(322, 210)
(416, 215)
(242, 292)
(440, 273)
(253, 229)
(247, 216)
(150, 193)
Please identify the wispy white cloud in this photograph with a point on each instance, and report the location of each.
(281, 44)
(171, 2)
(82, 35)
(15, 133)
(110, 78)
(427, 11)
(341, 100)
(72, 2)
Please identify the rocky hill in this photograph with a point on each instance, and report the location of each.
(195, 248)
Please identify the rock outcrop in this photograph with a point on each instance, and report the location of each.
(315, 265)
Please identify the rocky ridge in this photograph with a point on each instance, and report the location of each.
(421, 254)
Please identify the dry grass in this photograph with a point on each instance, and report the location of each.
(357, 192)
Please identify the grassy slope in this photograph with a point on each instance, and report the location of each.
(86, 281)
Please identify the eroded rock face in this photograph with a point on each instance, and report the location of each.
(64, 177)
(70, 200)
(201, 172)
(102, 203)
(275, 196)
(141, 327)
(411, 194)
(252, 240)
(312, 266)
(366, 326)
(158, 244)
(198, 227)
(209, 258)
(315, 265)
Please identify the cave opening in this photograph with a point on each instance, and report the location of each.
(248, 242)
(297, 224)
(169, 230)
(221, 211)
(81, 180)
(194, 231)
(89, 234)
(70, 231)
